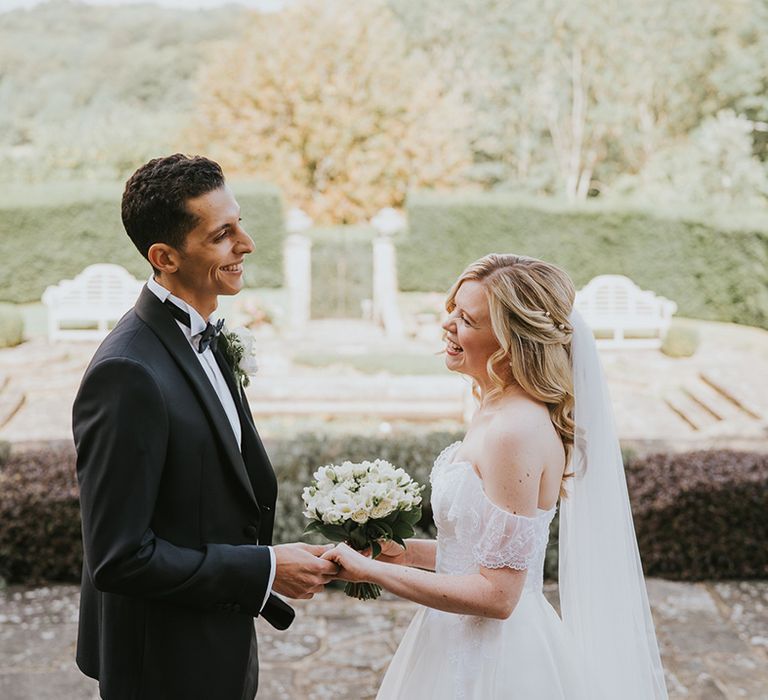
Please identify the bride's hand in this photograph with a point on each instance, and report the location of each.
(391, 552)
(354, 566)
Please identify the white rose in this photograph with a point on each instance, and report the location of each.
(360, 516)
(382, 510)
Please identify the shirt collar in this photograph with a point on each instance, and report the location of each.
(197, 322)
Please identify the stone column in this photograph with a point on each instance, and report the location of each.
(297, 270)
(385, 309)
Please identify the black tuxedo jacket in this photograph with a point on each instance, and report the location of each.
(175, 519)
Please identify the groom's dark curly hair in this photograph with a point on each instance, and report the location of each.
(154, 201)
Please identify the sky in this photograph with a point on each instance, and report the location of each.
(6, 5)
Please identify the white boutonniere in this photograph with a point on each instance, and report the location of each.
(239, 349)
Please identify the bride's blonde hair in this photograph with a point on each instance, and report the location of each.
(530, 302)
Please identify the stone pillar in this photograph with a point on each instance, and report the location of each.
(297, 270)
(385, 309)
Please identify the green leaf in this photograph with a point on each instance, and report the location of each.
(358, 539)
(411, 516)
(403, 530)
(336, 532)
(384, 528)
(375, 531)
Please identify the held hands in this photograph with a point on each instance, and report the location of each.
(302, 569)
(354, 566)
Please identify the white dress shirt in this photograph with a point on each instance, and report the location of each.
(213, 372)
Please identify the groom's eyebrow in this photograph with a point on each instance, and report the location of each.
(216, 231)
(220, 227)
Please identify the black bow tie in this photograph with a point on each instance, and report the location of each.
(208, 338)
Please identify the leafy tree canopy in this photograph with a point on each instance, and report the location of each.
(326, 100)
(92, 92)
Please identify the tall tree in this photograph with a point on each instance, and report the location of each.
(739, 76)
(568, 96)
(325, 99)
(91, 92)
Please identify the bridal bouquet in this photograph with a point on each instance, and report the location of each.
(362, 503)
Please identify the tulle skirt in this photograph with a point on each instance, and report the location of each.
(528, 656)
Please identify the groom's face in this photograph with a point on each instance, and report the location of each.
(211, 260)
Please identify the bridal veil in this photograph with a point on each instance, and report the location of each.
(604, 603)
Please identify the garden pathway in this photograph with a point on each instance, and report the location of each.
(713, 639)
(717, 397)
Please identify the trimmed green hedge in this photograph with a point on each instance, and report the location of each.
(51, 232)
(711, 273)
(342, 270)
(698, 515)
(262, 212)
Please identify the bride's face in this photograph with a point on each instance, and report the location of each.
(469, 338)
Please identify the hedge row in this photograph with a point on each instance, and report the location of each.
(711, 273)
(40, 517)
(701, 515)
(49, 233)
(698, 515)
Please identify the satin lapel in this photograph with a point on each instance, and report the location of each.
(251, 441)
(151, 310)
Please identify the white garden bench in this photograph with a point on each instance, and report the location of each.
(614, 305)
(86, 307)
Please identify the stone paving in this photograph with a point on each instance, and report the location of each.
(713, 639)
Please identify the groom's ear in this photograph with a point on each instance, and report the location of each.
(163, 258)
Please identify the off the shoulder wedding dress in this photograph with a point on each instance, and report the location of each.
(445, 656)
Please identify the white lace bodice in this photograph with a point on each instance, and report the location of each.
(472, 531)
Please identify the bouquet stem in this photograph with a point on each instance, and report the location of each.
(363, 591)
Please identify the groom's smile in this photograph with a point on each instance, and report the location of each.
(237, 268)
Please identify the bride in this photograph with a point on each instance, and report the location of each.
(543, 435)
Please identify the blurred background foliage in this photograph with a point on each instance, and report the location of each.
(346, 106)
(714, 268)
(92, 92)
(326, 100)
(51, 231)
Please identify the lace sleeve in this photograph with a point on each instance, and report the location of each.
(498, 538)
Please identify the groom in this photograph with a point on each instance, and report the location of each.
(177, 494)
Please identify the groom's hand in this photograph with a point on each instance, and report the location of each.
(300, 573)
